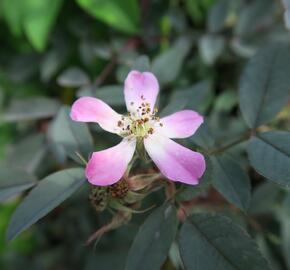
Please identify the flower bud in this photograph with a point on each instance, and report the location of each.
(99, 198)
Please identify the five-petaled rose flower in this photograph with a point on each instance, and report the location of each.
(141, 125)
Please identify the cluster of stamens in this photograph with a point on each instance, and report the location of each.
(140, 123)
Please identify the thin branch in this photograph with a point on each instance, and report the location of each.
(106, 71)
(223, 148)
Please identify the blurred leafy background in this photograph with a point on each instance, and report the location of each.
(53, 51)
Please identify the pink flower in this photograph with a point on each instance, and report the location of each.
(141, 124)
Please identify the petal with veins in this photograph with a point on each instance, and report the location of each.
(181, 124)
(175, 161)
(89, 109)
(140, 88)
(107, 167)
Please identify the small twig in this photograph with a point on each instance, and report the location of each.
(119, 219)
(182, 214)
(170, 190)
(221, 149)
(81, 158)
(106, 71)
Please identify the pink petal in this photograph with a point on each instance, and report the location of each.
(89, 109)
(140, 88)
(174, 161)
(181, 124)
(108, 166)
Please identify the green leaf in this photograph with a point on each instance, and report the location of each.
(70, 136)
(254, 15)
(111, 94)
(217, 16)
(122, 15)
(195, 97)
(35, 17)
(210, 48)
(28, 153)
(13, 16)
(226, 101)
(258, 203)
(73, 77)
(152, 243)
(264, 85)
(167, 65)
(142, 63)
(231, 181)
(14, 181)
(22, 68)
(197, 8)
(47, 195)
(286, 5)
(33, 108)
(269, 154)
(214, 242)
(266, 250)
(243, 49)
(38, 20)
(111, 256)
(52, 62)
(204, 137)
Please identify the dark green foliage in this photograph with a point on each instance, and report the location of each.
(231, 181)
(123, 15)
(215, 242)
(31, 109)
(228, 60)
(153, 240)
(69, 137)
(21, 180)
(264, 86)
(47, 195)
(269, 154)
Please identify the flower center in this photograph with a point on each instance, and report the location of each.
(141, 127)
(139, 123)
